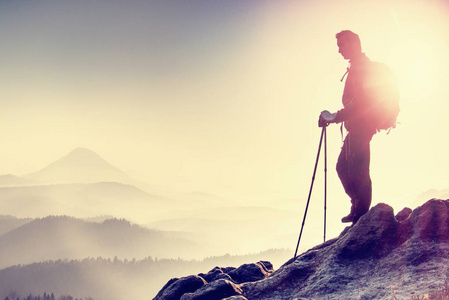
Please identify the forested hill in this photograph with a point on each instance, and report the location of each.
(111, 279)
(63, 237)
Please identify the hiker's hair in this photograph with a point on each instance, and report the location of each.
(351, 37)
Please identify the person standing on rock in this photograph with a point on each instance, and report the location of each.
(360, 115)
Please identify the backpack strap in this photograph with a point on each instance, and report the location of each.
(344, 75)
(341, 131)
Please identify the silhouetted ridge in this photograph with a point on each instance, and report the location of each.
(8, 223)
(64, 237)
(12, 180)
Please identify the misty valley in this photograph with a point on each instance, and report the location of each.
(82, 229)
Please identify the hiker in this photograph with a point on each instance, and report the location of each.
(358, 114)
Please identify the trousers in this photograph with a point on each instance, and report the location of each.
(353, 170)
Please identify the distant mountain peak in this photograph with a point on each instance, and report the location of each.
(83, 152)
(81, 165)
(83, 156)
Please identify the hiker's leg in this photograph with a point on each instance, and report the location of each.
(359, 162)
(343, 171)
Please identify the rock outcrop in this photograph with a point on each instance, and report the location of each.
(383, 256)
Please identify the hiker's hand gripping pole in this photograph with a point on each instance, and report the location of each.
(323, 134)
(326, 118)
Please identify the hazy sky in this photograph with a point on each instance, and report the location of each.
(215, 95)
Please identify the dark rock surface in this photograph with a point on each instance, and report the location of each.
(175, 287)
(215, 274)
(403, 214)
(215, 290)
(380, 257)
(240, 297)
(218, 283)
(251, 272)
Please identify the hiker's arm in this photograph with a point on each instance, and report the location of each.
(345, 114)
(354, 110)
(342, 115)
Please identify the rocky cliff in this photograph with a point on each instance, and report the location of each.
(383, 256)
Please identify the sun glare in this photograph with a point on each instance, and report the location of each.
(416, 67)
(416, 53)
(418, 73)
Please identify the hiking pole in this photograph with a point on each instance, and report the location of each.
(311, 188)
(325, 181)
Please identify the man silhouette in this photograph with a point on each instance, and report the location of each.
(354, 159)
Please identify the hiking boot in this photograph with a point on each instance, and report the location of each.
(348, 219)
(355, 218)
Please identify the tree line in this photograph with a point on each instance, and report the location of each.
(47, 297)
(110, 278)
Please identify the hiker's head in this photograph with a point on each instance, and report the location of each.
(349, 45)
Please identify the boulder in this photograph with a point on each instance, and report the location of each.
(403, 214)
(216, 290)
(176, 287)
(216, 273)
(430, 222)
(373, 235)
(251, 272)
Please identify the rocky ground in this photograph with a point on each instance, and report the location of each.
(383, 256)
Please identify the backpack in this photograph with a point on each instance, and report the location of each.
(382, 89)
